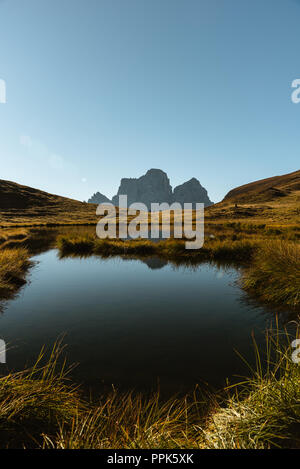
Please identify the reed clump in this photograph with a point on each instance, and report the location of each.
(264, 410)
(274, 274)
(35, 400)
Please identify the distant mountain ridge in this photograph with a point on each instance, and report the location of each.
(154, 187)
(98, 198)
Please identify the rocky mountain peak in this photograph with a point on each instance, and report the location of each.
(191, 192)
(98, 198)
(154, 187)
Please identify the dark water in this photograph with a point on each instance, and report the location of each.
(134, 324)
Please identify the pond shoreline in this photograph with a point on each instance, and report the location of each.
(270, 270)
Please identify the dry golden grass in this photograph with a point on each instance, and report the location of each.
(13, 265)
(12, 237)
(173, 250)
(274, 275)
(35, 400)
(22, 205)
(264, 410)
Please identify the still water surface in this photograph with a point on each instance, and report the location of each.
(134, 324)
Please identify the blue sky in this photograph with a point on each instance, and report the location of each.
(103, 89)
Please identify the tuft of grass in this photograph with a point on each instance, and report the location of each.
(274, 274)
(235, 250)
(35, 400)
(264, 411)
(132, 421)
(82, 245)
(13, 265)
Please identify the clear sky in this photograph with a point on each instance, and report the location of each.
(102, 89)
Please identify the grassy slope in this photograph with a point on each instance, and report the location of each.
(275, 201)
(268, 189)
(22, 205)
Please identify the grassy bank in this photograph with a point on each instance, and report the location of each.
(171, 249)
(40, 408)
(13, 265)
(274, 274)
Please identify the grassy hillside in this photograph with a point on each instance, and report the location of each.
(22, 205)
(269, 189)
(275, 200)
